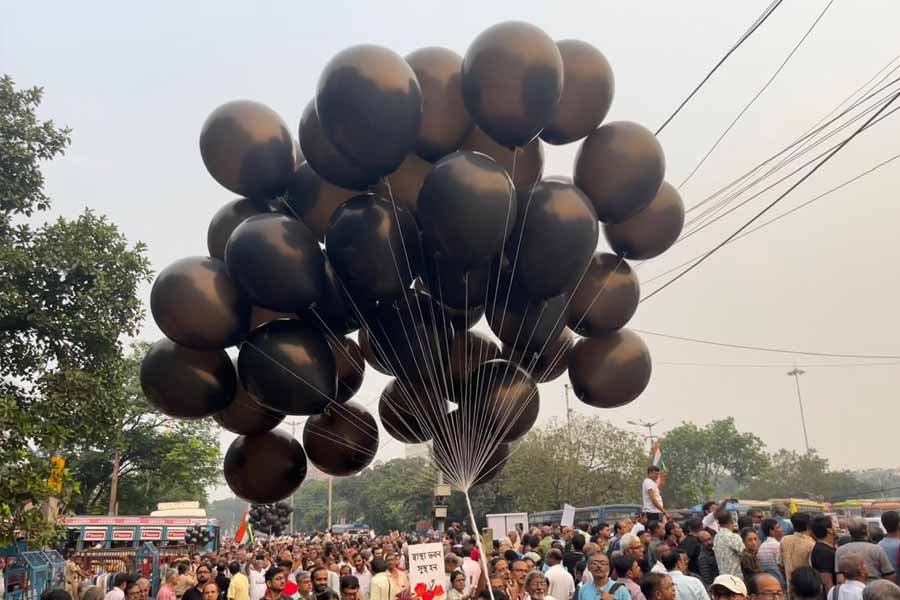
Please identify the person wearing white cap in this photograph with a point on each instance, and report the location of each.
(728, 587)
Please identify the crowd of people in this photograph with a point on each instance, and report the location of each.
(649, 557)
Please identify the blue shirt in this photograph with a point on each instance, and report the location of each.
(891, 547)
(589, 591)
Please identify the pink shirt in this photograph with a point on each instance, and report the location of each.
(165, 593)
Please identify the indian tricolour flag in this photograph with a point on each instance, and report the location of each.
(245, 529)
(657, 457)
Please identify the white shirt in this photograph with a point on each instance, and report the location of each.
(365, 580)
(850, 590)
(562, 586)
(709, 522)
(472, 570)
(116, 593)
(650, 490)
(257, 583)
(688, 588)
(659, 568)
(637, 528)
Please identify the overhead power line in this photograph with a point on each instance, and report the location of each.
(756, 25)
(757, 95)
(772, 204)
(768, 349)
(773, 365)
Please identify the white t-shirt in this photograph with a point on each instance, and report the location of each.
(561, 584)
(648, 487)
(257, 583)
(710, 522)
(473, 573)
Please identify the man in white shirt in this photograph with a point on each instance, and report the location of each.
(652, 500)
(257, 576)
(686, 588)
(562, 586)
(853, 566)
(471, 568)
(119, 585)
(362, 574)
(709, 516)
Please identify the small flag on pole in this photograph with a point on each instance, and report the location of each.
(657, 457)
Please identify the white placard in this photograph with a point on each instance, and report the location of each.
(568, 516)
(426, 568)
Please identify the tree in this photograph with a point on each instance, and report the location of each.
(697, 458)
(586, 462)
(68, 294)
(792, 475)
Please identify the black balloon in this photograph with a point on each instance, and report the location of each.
(467, 208)
(335, 314)
(265, 467)
(195, 302)
(606, 298)
(350, 367)
(524, 165)
(326, 159)
(611, 370)
(277, 262)
(289, 367)
(547, 365)
(246, 416)
(653, 230)
(248, 149)
(223, 223)
(512, 79)
(455, 286)
(368, 352)
(587, 93)
(411, 413)
(342, 441)
(403, 185)
(261, 316)
(469, 350)
(463, 319)
(373, 246)
(313, 200)
(521, 320)
(445, 120)
(504, 398)
(410, 337)
(555, 236)
(370, 106)
(620, 167)
(185, 383)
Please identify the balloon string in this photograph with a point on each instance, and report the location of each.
(480, 542)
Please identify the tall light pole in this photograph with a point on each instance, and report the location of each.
(294, 425)
(568, 410)
(796, 373)
(649, 427)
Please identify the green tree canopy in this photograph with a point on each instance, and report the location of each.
(68, 295)
(698, 457)
(793, 475)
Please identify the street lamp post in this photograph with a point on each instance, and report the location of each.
(796, 373)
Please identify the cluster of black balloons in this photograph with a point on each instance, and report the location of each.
(271, 519)
(197, 535)
(414, 204)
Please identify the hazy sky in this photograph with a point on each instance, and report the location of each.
(136, 80)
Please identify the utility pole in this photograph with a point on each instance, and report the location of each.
(568, 410)
(330, 491)
(294, 425)
(649, 436)
(796, 373)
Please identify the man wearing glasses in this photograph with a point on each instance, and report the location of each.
(657, 586)
(729, 587)
(602, 587)
(763, 586)
(204, 576)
